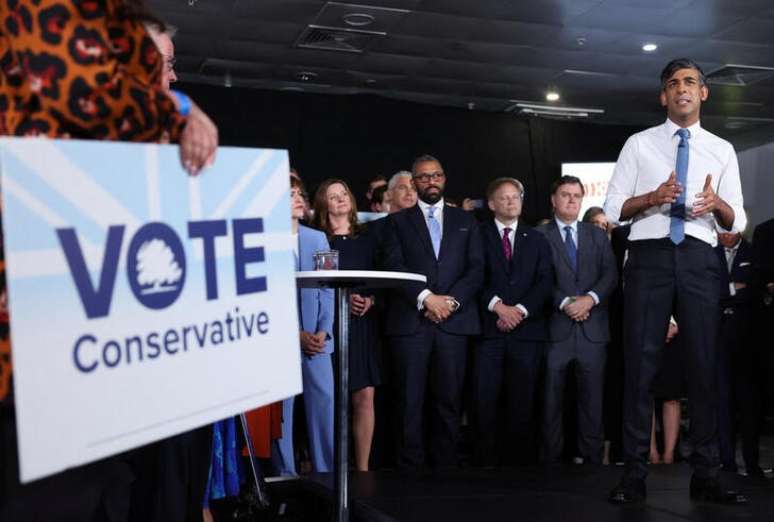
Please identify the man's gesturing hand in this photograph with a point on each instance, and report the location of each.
(667, 192)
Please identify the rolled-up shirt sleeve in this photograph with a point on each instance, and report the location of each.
(730, 191)
(623, 182)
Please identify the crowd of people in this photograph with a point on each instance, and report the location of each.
(663, 306)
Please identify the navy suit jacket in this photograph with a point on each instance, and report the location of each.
(741, 272)
(596, 272)
(763, 254)
(527, 279)
(457, 272)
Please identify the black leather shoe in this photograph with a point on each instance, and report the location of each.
(710, 490)
(756, 472)
(628, 491)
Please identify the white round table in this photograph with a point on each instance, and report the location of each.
(344, 281)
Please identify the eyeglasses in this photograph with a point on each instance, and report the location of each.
(424, 178)
(508, 199)
(169, 63)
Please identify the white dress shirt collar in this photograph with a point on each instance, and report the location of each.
(501, 227)
(672, 128)
(424, 206)
(438, 214)
(561, 224)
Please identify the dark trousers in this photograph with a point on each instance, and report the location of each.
(509, 368)
(661, 279)
(171, 478)
(740, 389)
(430, 361)
(589, 367)
(97, 492)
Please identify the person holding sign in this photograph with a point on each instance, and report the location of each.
(678, 183)
(315, 309)
(84, 70)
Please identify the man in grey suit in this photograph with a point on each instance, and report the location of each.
(585, 276)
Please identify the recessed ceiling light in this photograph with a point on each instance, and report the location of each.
(552, 96)
(649, 47)
(358, 19)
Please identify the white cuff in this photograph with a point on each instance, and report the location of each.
(523, 310)
(731, 289)
(421, 299)
(564, 303)
(594, 296)
(492, 303)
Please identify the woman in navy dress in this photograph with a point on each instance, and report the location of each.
(335, 213)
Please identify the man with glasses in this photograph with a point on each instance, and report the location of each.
(518, 281)
(429, 324)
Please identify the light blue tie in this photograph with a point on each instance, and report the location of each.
(435, 230)
(572, 250)
(677, 211)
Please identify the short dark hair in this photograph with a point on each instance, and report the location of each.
(591, 213)
(499, 182)
(378, 194)
(567, 180)
(424, 158)
(681, 63)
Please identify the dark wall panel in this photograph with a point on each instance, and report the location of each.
(357, 137)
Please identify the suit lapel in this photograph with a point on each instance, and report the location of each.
(584, 243)
(495, 243)
(518, 237)
(417, 218)
(449, 224)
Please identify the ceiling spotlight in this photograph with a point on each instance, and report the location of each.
(358, 19)
(552, 96)
(306, 76)
(649, 47)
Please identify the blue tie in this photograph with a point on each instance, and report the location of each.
(572, 250)
(435, 230)
(677, 211)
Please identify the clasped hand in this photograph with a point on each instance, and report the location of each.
(508, 317)
(438, 308)
(313, 344)
(360, 305)
(579, 308)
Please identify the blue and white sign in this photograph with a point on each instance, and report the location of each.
(143, 302)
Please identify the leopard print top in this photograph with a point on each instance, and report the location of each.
(77, 69)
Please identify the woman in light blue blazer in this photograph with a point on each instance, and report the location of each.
(316, 324)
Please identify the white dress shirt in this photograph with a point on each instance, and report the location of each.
(438, 215)
(511, 238)
(574, 233)
(730, 255)
(646, 161)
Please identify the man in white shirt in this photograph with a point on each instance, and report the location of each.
(676, 182)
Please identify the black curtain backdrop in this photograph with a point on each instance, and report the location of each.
(358, 137)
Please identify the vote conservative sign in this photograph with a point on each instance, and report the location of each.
(143, 302)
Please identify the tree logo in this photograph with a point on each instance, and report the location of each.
(156, 265)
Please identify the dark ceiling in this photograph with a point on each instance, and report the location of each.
(489, 55)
